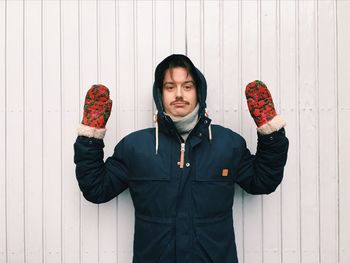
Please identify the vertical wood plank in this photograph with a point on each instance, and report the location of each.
(308, 133)
(328, 152)
(3, 226)
(194, 31)
(52, 128)
(71, 109)
(163, 36)
(252, 210)
(88, 76)
(290, 213)
(126, 118)
(343, 57)
(269, 75)
(179, 26)
(33, 131)
(212, 63)
(14, 132)
(107, 67)
(144, 64)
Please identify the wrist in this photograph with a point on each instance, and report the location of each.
(91, 132)
(271, 126)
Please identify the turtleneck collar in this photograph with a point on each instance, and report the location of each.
(185, 125)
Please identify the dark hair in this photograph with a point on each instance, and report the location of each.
(180, 62)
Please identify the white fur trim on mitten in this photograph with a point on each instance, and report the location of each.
(84, 130)
(274, 125)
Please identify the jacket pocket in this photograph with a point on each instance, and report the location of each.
(153, 240)
(151, 188)
(215, 241)
(214, 166)
(213, 186)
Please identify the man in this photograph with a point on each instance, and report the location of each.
(181, 174)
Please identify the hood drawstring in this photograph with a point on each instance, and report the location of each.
(209, 127)
(155, 120)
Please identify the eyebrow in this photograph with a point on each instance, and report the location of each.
(186, 82)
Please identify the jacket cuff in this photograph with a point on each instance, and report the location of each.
(274, 125)
(91, 132)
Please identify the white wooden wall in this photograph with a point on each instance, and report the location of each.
(52, 51)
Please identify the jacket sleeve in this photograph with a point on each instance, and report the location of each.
(263, 172)
(99, 181)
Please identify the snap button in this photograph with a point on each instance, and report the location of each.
(271, 138)
(200, 134)
(90, 142)
(205, 121)
(178, 163)
(187, 164)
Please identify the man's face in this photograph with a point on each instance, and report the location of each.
(179, 92)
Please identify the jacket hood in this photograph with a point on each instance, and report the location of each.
(201, 84)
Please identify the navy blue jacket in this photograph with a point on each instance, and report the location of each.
(181, 215)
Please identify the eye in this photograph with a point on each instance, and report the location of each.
(188, 87)
(168, 87)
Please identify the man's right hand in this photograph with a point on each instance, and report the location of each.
(97, 107)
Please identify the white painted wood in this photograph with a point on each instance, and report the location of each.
(3, 216)
(71, 109)
(195, 35)
(51, 52)
(194, 29)
(179, 26)
(33, 123)
(144, 64)
(289, 93)
(343, 58)
(308, 130)
(163, 41)
(212, 40)
(327, 121)
(15, 172)
(52, 132)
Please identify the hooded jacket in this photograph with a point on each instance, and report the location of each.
(182, 215)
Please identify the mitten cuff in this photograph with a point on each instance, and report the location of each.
(274, 125)
(84, 130)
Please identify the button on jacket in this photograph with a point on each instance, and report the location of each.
(182, 215)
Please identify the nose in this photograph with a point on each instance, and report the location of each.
(178, 92)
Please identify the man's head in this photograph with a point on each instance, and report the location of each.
(179, 91)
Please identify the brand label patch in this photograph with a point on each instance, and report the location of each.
(224, 172)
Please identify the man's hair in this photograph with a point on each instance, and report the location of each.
(180, 62)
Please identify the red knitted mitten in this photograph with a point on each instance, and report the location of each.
(97, 107)
(260, 102)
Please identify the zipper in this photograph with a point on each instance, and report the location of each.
(182, 155)
(183, 147)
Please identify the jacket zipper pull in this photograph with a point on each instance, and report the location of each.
(182, 155)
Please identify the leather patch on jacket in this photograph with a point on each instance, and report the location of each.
(224, 172)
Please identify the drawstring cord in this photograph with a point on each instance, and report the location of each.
(155, 120)
(209, 127)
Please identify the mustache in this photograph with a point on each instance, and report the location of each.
(179, 100)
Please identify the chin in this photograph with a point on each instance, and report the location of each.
(180, 114)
